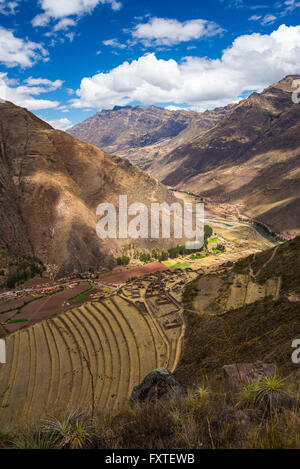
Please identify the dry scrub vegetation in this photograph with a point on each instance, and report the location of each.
(211, 414)
(206, 417)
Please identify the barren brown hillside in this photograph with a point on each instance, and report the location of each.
(50, 186)
(250, 159)
(141, 133)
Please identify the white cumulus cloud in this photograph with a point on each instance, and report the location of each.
(61, 124)
(47, 84)
(164, 31)
(290, 6)
(60, 9)
(64, 24)
(8, 8)
(15, 51)
(24, 95)
(251, 63)
(114, 43)
(268, 19)
(255, 17)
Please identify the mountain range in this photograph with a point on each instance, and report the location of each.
(142, 134)
(245, 155)
(251, 159)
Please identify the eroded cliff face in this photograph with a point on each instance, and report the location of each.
(50, 186)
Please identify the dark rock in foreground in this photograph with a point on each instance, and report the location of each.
(157, 385)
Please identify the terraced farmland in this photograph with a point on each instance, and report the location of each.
(89, 357)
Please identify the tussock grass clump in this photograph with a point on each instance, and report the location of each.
(201, 393)
(280, 431)
(201, 419)
(268, 437)
(5, 436)
(262, 391)
(73, 432)
(33, 439)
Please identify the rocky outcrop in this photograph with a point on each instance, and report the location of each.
(159, 384)
(241, 373)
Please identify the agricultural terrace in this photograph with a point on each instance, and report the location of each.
(92, 355)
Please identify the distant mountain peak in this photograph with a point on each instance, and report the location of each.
(140, 133)
(119, 108)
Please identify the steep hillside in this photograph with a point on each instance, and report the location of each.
(261, 329)
(250, 159)
(50, 186)
(142, 134)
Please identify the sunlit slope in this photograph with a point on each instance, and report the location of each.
(50, 187)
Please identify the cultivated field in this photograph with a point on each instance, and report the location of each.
(91, 356)
(29, 309)
(120, 275)
(218, 294)
(86, 346)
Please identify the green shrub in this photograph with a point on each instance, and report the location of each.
(164, 256)
(33, 439)
(256, 393)
(74, 432)
(123, 260)
(145, 257)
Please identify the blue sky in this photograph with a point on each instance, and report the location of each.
(67, 59)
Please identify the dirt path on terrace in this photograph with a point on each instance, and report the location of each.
(253, 275)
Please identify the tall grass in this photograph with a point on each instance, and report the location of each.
(262, 391)
(203, 418)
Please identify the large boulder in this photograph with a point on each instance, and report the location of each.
(241, 373)
(157, 385)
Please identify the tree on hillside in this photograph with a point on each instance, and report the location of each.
(123, 260)
(208, 232)
(164, 256)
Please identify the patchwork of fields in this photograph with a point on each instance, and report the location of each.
(92, 356)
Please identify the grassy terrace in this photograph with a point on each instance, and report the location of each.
(176, 265)
(78, 298)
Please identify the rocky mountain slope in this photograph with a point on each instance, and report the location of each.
(142, 134)
(50, 186)
(261, 329)
(250, 159)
